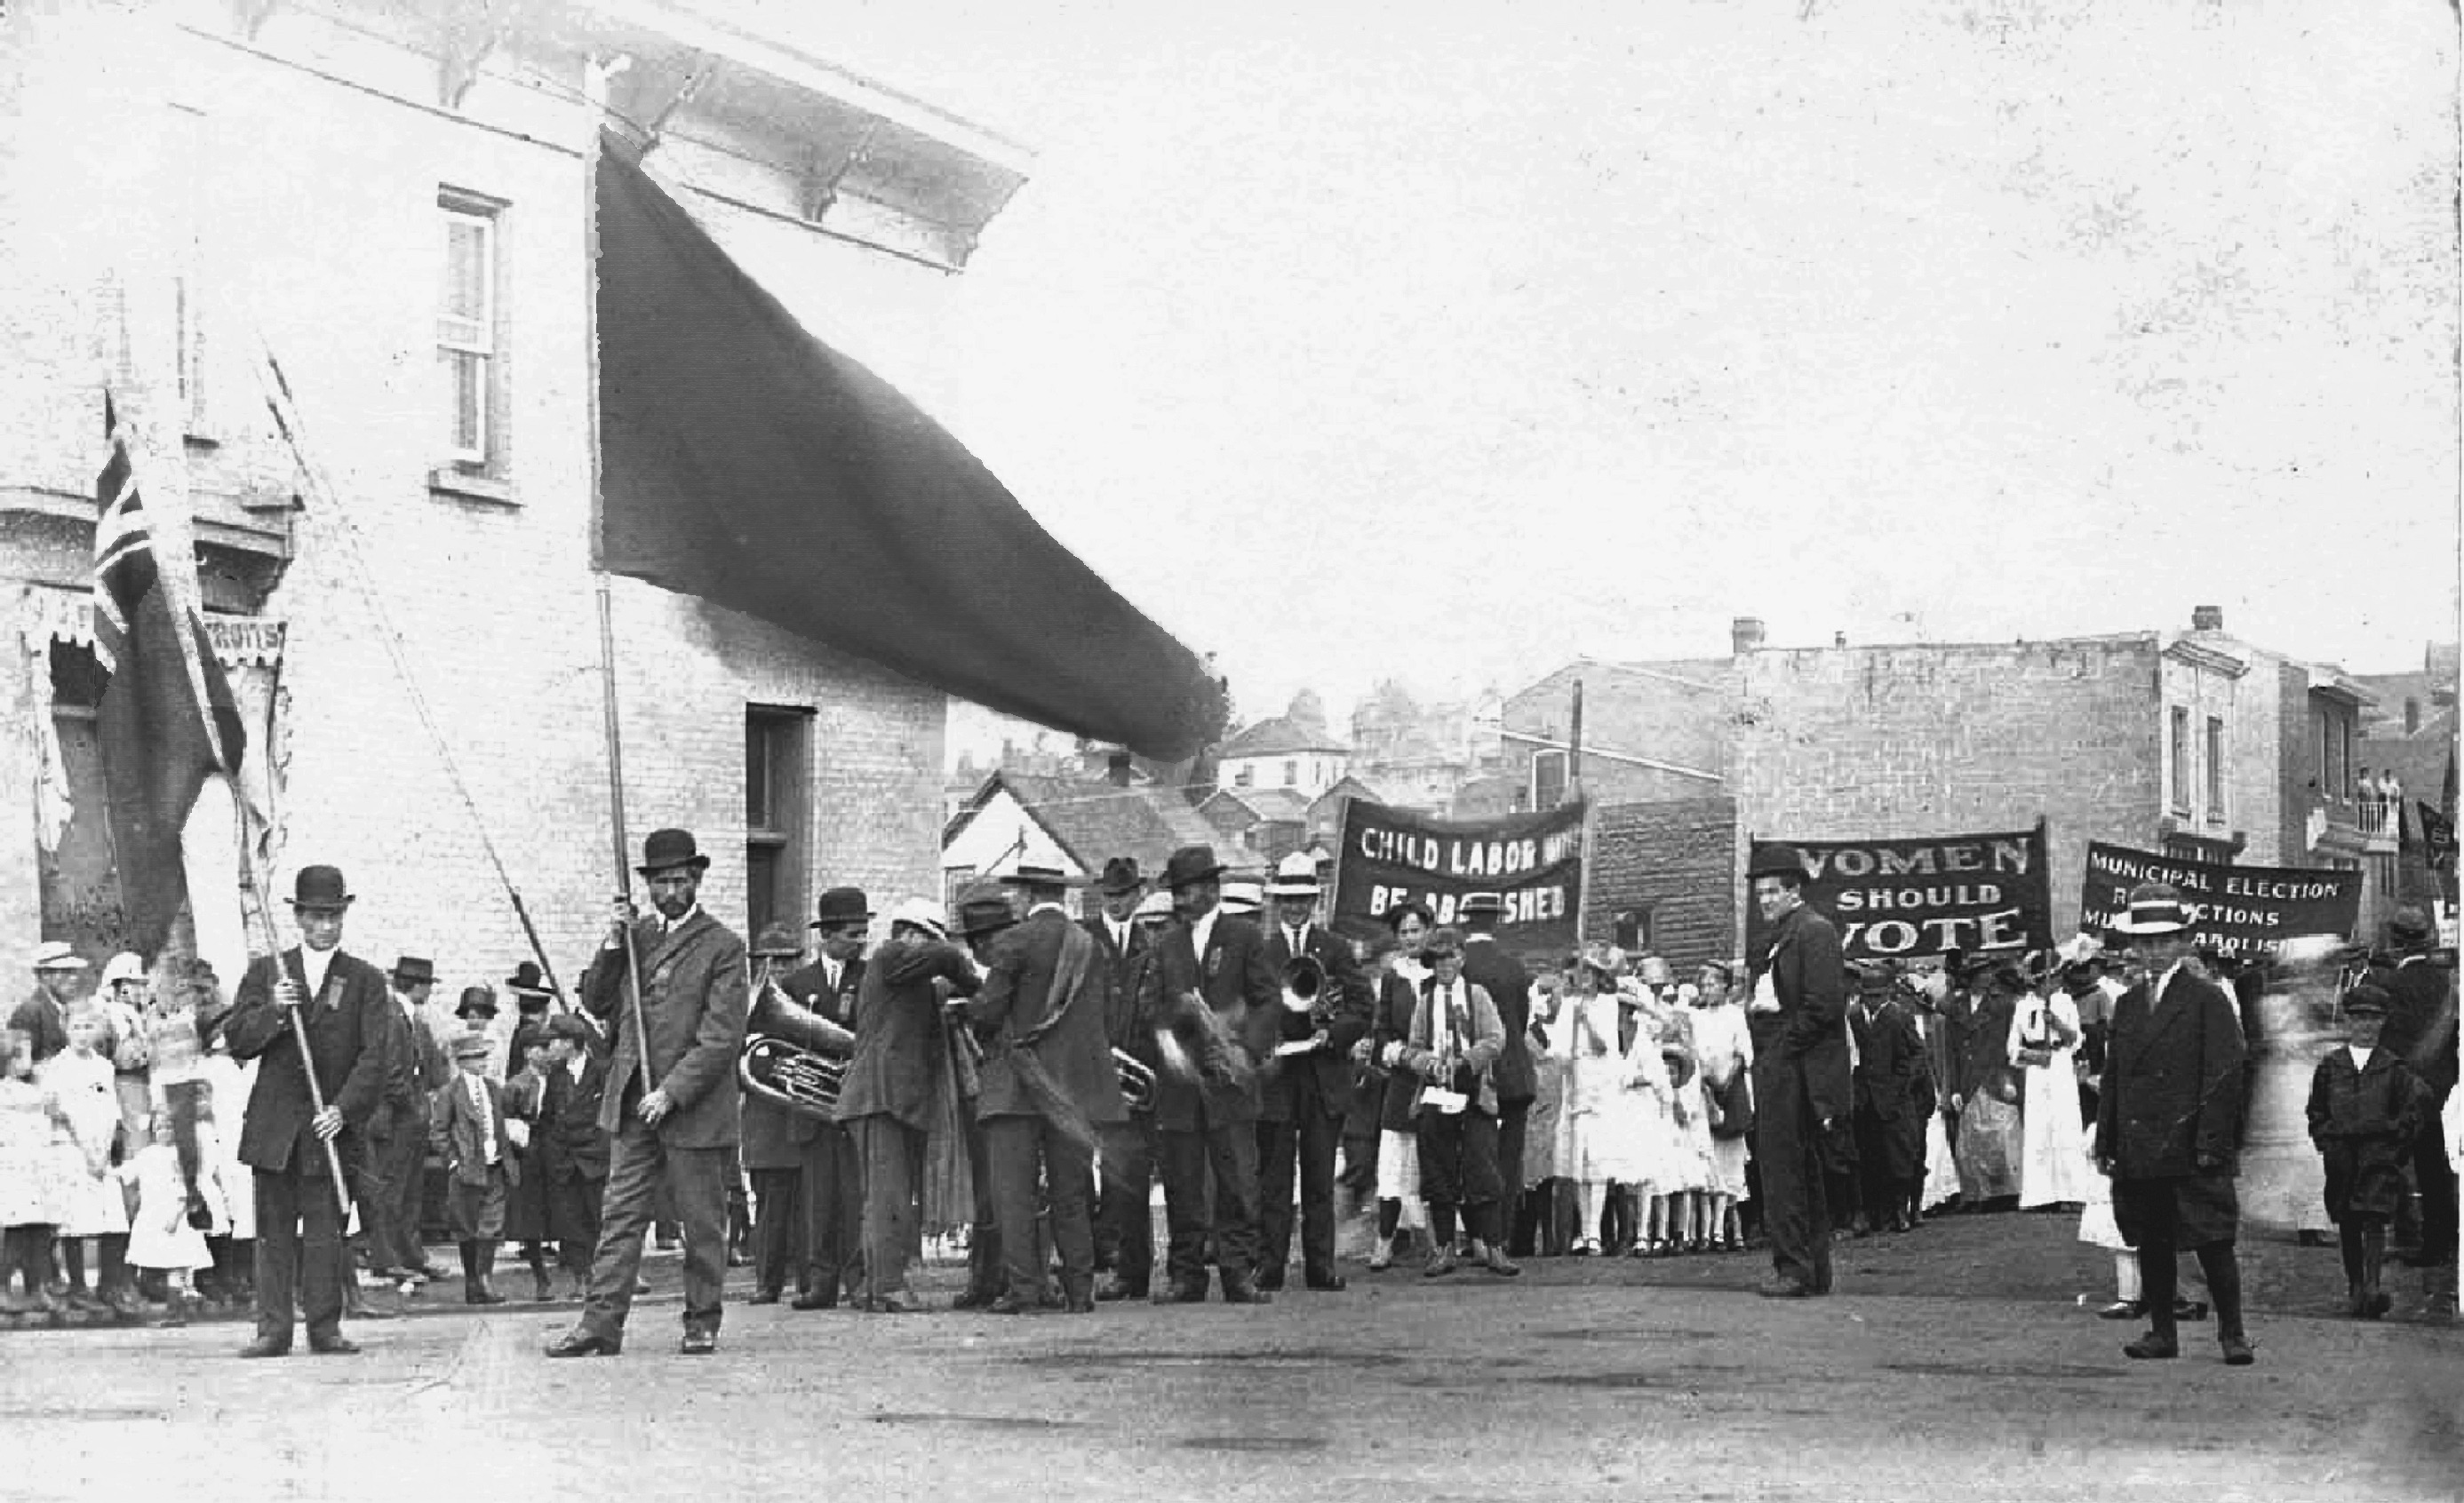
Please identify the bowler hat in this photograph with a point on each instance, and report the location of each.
(411, 971)
(666, 849)
(2410, 929)
(2368, 999)
(1295, 876)
(569, 1025)
(473, 1046)
(841, 905)
(1776, 861)
(526, 978)
(56, 956)
(1191, 863)
(1121, 875)
(983, 908)
(777, 939)
(320, 887)
(2156, 907)
(1036, 875)
(476, 1002)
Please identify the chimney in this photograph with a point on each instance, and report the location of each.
(1840, 639)
(1116, 769)
(1745, 635)
(2206, 618)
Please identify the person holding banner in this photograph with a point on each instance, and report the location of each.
(2169, 1125)
(1802, 1094)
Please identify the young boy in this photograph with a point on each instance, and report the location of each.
(2366, 1106)
(466, 1127)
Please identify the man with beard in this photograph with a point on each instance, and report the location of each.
(1801, 1084)
(670, 1102)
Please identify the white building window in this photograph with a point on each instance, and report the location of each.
(1548, 779)
(469, 333)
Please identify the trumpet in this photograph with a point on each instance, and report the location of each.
(792, 1057)
(1308, 1002)
(1137, 1081)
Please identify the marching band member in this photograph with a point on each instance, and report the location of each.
(1124, 1218)
(984, 912)
(1214, 995)
(678, 1127)
(1048, 1083)
(1307, 1087)
(769, 1147)
(886, 1102)
(833, 1185)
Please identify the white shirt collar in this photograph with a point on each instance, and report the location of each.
(575, 1065)
(313, 964)
(2361, 1056)
(1200, 928)
(670, 925)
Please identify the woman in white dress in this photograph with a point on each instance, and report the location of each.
(1398, 990)
(1723, 1049)
(1597, 1117)
(2043, 1045)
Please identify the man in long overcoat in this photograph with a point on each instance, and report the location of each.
(1802, 1095)
(1890, 1121)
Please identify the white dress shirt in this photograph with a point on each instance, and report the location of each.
(313, 964)
(1201, 929)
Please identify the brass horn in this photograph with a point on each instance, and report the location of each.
(1304, 983)
(1137, 1081)
(793, 1056)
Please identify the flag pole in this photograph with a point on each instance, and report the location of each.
(596, 77)
(257, 911)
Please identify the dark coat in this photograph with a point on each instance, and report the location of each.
(1808, 1032)
(1397, 998)
(455, 1133)
(39, 1018)
(692, 1009)
(901, 1041)
(774, 1134)
(527, 1206)
(347, 1033)
(568, 1143)
(1123, 970)
(2364, 1123)
(2172, 1091)
(1026, 983)
(1232, 979)
(1889, 1079)
(1510, 989)
(1348, 1011)
(2421, 1026)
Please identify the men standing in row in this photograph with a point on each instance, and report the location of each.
(1049, 1084)
(1213, 991)
(830, 1184)
(1124, 1218)
(671, 1106)
(1307, 1087)
(342, 1002)
(1515, 1078)
(1801, 1083)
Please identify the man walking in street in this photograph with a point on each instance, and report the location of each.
(1803, 1092)
(398, 1140)
(830, 1184)
(670, 1102)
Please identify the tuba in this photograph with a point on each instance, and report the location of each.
(1137, 1081)
(793, 1056)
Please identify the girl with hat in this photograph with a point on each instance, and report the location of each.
(1723, 1049)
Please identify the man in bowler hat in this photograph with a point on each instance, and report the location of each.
(1124, 1217)
(1803, 1092)
(341, 1001)
(671, 1096)
(831, 1176)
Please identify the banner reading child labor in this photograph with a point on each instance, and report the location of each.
(1924, 896)
(1534, 861)
(2236, 910)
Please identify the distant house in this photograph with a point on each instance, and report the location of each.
(1325, 818)
(1282, 751)
(1264, 823)
(1074, 825)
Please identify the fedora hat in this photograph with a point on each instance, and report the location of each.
(411, 971)
(921, 913)
(1121, 875)
(56, 956)
(985, 908)
(2156, 907)
(666, 849)
(320, 887)
(1036, 875)
(1295, 876)
(476, 1002)
(1776, 861)
(841, 905)
(569, 1025)
(1191, 863)
(777, 939)
(525, 979)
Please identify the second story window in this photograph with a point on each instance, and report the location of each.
(2181, 750)
(2215, 770)
(1548, 779)
(469, 333)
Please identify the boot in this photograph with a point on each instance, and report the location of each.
(985, 1281)
(476, 1256)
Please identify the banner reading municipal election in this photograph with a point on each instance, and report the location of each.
(1534, 861)
(2238, 909)
(1925, 896)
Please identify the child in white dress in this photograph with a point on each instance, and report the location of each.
(163, 1238)
(82, 1085)
(30, 1208)
(1599, 1134)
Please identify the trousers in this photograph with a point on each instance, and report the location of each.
(1311, 1137)
(1185, 1159)
(1125, 1199)
(1016, 1148)
(891, 1154)
(1788, 1144)
(639, 1163)
(298, 1253)
(832, 1192)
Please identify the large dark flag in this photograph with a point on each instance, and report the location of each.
(167, 720)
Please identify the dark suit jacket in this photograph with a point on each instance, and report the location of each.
(774, 1135)
(1509, 989)
(1351, 1010)
(346, 1039)
(2172, 1089)
(1397, 998)
(900, 1039)
(453, 1131)
(1023, 989)
(1125, 1027)
(1808, 1031)
(1232, 979)
(415, 1066)
(569, 1141)
(38, 1017)
(692, 1009)
(2421, 1025)
(1890, 1060)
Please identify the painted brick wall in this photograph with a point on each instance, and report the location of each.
(1843, 743)
(1677, 860)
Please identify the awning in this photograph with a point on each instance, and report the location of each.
(747, 463)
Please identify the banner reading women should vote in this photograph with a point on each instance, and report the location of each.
(1925, 896)
(2237, 910)
(1534, 861)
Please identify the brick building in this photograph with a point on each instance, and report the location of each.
(393, 200)
(1662, 878)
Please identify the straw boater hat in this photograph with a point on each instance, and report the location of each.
(2156, 907)
(123, 966)
(473, 1046)
(1481, 905)
(56, 956)
(921, 913)
(1157, 905)
(1295, 876)
(1243, 895)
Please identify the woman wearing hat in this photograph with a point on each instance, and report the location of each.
(1989, 1128)
(1398, 1141)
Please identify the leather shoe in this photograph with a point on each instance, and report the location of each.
(1010, 1305)
(482, 1297)
(2152, 1347)
(2121, 1309)
(1243, 1291)
(2238, 1352)
(1112, 1287)
(1777, 1287)
(899, 1303)
(1496, 1262)
(267, 1346)
(1078, 1304)
(334, 1346)
(1191, 1292)
(699, 1343)
(1271, 1279)
(975, 1299)
(815, 1299)
(763, 1296)
(581, 1343)
(1327, 1283)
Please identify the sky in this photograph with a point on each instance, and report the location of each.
(1448, 342)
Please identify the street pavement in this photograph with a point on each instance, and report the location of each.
(1958, 1362)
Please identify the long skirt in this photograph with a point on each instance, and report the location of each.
(1989, 1148)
